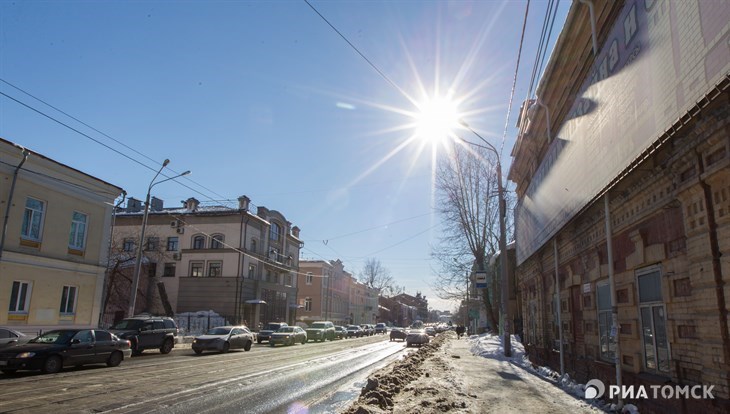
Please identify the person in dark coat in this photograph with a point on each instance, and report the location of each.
(460, 331)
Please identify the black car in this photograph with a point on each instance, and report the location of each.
(271, 327)
(54, 350)
(147, 332)
(398, 333)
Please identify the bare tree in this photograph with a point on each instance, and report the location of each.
(120, 270)
(466, 184)
(375, 275)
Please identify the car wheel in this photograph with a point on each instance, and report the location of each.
(198, 351)
(167, 346)
(52, 365)
(304, 341)
(247, 347)
(9, 371)
(226, 347)
(114, 359)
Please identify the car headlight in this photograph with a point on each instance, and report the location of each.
(25, 355)
(195, 341)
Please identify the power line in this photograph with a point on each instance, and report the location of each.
(102, 133)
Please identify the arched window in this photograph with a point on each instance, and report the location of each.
(199, 242)
(216, 241)
(275, 231)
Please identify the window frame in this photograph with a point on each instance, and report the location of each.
(68, 302)
(217, 241)
(194, 265)
(152, 244)
(73, 232)
(167, 266)
(308, 278)
(605, 322)
(652, 306)
(173, 241)
(307, 304)
(198, 246)
(218, 264)
(274, 231)
(128, 244)
(26, 299)
(26, 227)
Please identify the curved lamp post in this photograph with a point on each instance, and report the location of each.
(502, 241)
(138, 260)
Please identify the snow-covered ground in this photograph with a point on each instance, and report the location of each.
(491, 346)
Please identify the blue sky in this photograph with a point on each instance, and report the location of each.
(265, 99)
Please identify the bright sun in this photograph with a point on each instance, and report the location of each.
(437, 119)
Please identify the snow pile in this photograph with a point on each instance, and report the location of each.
(491, 346)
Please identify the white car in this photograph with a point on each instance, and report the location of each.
(12, 337)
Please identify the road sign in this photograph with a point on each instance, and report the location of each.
(481, 279)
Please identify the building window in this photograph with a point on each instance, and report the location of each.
(77, 236)
(32, 219)
(19, 296)
(153, 243)
(216, 241)
(169, 270)
(198, 242)
(308, 304)
(274, 231)
(68, 299)
(253, 245)
(128, 245)
(215, 269)
(251, 271)
(196, 269)
(172, 244)
(653, 320)
(607, 344)
(308, 279)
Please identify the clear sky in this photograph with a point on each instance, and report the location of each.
(265, 99)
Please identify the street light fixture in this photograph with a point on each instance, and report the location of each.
(138, 260)
(502, 241)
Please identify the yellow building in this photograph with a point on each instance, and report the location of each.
(53, 247)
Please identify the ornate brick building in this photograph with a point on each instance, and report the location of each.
(622, 169)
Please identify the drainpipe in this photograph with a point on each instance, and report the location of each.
(558, 310)
(589, 3)
(614, 307)
(716, 265)
(10, 197)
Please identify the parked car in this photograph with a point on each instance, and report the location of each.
(417, 337)
(268, 329)
(381, 328)
(430, 331)
(321, 331)
(223, 339)
(354, 331)
(368, 330)
(398, 333)
(340, 332)
(53, 350)
(147, 332)
(288, 335)
(12, 337)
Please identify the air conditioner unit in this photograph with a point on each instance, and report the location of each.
(180, 230)
(176, 256)
(173, 223)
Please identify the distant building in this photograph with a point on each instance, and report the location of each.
(324, 292)
(418, 303)
(53, 253)
(240, 264)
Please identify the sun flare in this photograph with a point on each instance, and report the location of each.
(437, 119)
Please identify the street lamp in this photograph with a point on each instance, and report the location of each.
(138, 260)
(502, 241)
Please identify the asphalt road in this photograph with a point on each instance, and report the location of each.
(316, 377)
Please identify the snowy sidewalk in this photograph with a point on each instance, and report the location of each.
(456, 381)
